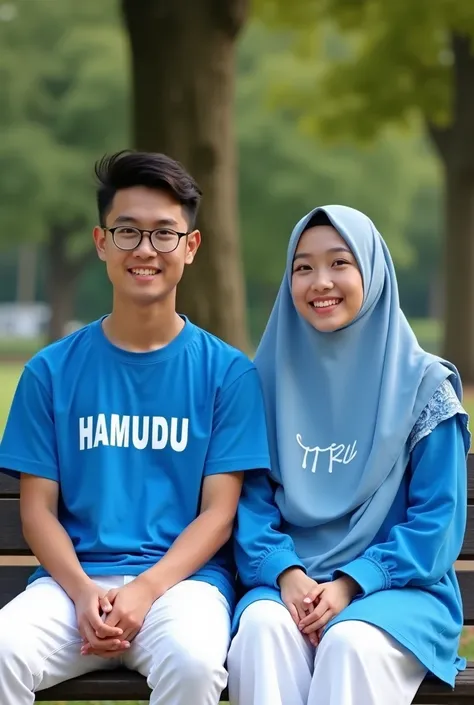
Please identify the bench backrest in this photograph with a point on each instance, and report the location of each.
(13, 577)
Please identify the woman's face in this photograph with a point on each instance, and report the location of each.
(327, 284)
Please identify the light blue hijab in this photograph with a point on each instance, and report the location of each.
(341, 405)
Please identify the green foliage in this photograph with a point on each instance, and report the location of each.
(64, 93)
(285, 172)
(395, 61)
(63, 70)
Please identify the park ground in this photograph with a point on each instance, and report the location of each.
(9, 374)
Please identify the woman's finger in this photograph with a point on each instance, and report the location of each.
(314, 615)
(313, 595)
(321, 622)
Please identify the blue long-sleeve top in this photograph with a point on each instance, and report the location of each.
(414, 548)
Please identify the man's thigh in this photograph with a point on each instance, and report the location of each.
(39, 630)
(190, 622)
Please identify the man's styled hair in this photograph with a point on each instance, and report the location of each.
(128, 168)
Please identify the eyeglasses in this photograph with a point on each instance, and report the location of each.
(162, 240)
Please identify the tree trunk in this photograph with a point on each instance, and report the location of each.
(26, 273)
(183, 65)
(60, 286)
(455, 145)
(63, 275)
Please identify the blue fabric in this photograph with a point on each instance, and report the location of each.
(341, 405)
(408, 584)
(130, 436)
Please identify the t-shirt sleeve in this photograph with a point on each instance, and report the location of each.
(29, 441)
(239, 434)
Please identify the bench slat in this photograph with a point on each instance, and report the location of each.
(11, 537)
(13, 580)
(433, 691)
(470, 477)
(467, 551)
(9, 487)
(13, 544)
(121, 684)
(125, 685)
(466, 583)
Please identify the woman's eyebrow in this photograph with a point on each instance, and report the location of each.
(301, 255)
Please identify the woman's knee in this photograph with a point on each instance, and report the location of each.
(265, 617)
(357, 638)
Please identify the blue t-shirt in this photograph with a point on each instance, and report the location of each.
(131, 436)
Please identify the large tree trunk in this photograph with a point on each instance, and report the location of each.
(63, 275)
(183, 64)
(455, 145)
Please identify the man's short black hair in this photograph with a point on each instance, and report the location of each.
(128, 168)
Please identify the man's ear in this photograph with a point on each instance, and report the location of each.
(99, 235)
(193, 241)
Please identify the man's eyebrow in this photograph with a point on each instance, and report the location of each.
(302, 255)
(158, 223)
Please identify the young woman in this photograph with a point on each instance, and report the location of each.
(348, 559)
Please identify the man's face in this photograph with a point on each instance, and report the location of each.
(143, 275)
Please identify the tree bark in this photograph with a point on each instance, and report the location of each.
(26, 272)
(183, 65)
(455, 146)
(63, 275)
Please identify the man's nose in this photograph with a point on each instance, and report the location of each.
(145, 248)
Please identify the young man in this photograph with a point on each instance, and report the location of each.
(131, 437)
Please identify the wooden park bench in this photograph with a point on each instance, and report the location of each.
(126, 685)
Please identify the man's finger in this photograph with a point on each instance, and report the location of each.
(105, 604)
(96, 642)
(105, 630)
(108, 599)
(113, 653)
(130, 634)
(113, 618)
(100, 627)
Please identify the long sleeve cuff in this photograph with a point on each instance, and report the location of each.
(275, 563)
(369, 574)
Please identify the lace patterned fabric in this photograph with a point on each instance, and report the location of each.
(443, 405)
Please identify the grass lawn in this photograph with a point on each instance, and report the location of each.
(9, 374)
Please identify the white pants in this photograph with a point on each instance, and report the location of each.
(181, 648)
(271, 663)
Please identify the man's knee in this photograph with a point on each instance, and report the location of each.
(15, 657)
(195, 669)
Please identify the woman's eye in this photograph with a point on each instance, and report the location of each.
(339, 262)
(301, 268)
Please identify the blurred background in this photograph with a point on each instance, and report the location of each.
(274, 110)
(274, 107)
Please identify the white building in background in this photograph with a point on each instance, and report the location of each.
(23, 320)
